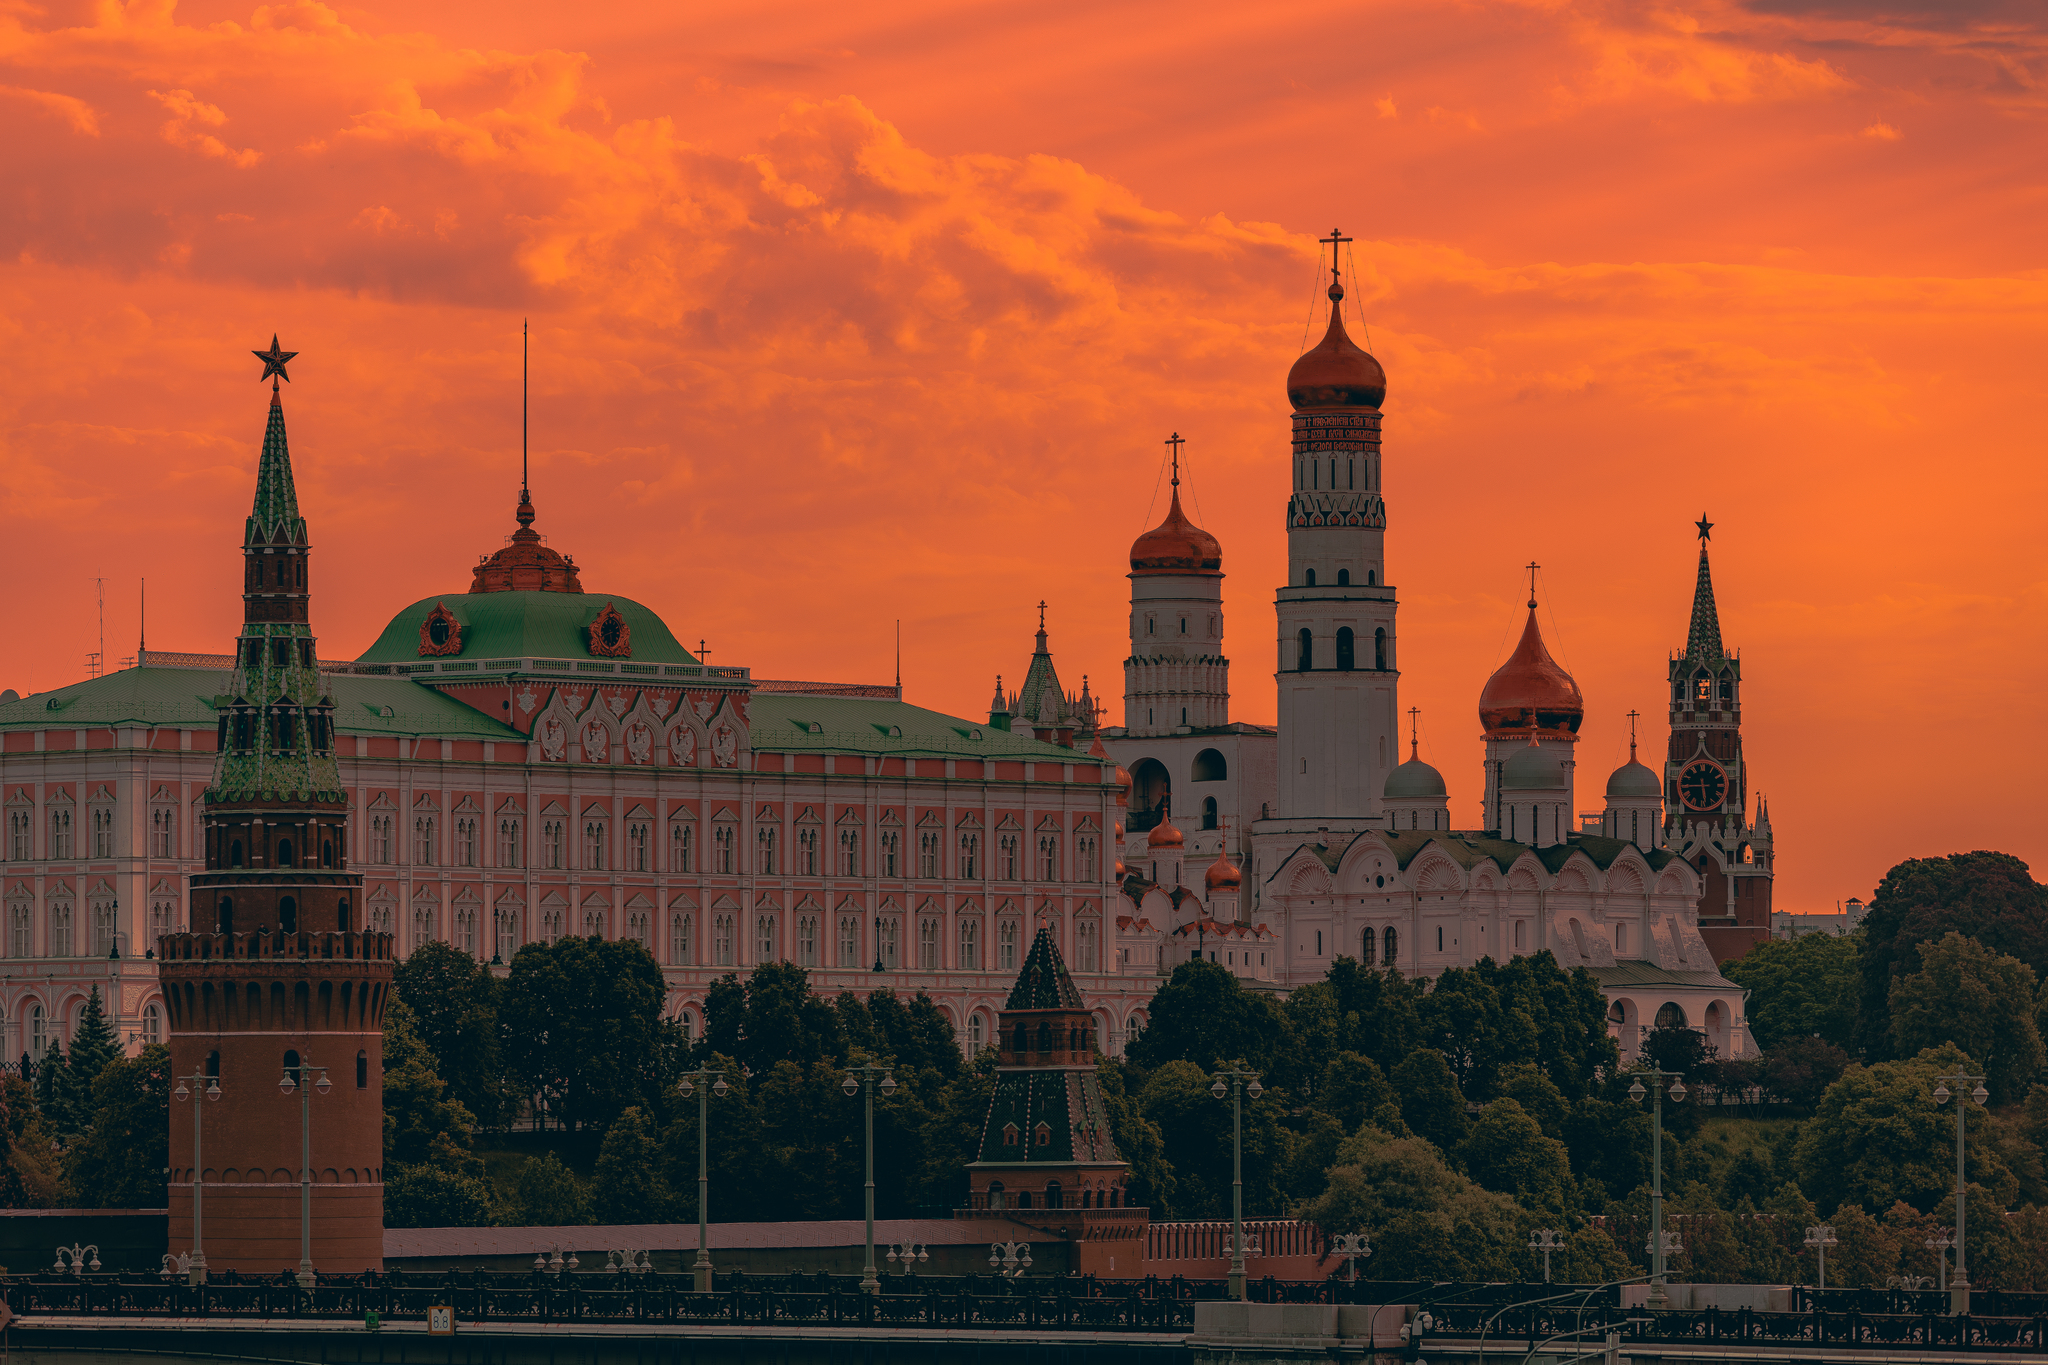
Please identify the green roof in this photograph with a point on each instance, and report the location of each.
(782, 724)
(1043, 984)
(528, 625)
(183, 698)
(1636, 972)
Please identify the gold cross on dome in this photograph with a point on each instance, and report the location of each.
(1334, 241)
(1176, 441)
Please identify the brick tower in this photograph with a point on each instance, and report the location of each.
(1706, 781)
(284, 981)
(1047, 1155)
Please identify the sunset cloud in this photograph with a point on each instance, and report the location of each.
(827, 337)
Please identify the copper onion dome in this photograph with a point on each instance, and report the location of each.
(1223, 874)
(1165, 834)
(1177, 545)
(1338, 372)
(1530, 691)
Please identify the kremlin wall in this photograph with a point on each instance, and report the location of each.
(234, 848)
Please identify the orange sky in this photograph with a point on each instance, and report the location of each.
(850, 312)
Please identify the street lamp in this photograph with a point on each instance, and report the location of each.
(1546, 1241)
(1959, 1286)
(1939, 1244)
(1659, 1244)
(719, 1088)
(209, 1086)
(1234, 1083)
(285, 1086)
(908, 1252)
(863, 1078)
(1820, 1239)
(77, 1263)
(1010, 1258)
(1353, 1248)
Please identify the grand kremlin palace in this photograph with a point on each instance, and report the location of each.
(523, 757)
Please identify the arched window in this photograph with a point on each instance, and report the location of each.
(849, 941)
(682, 941)
(152, 1025)
(1670, 1015)
(1306, 651)
(1391, 950)
(1372, 578)
(288, 914)
(1023, 1043)
(1310, 580)
(291, 1065)
(341, 915)
(362, 1069)
(1345, 655)
(227, 915)
(970, 953)
(234, 853)
(1208, 812)
(1210, 767)
(1343, 578)
(1369, 946)
(1052, 1194)
(38, 1033)
(974, 1032)
(1379, 648)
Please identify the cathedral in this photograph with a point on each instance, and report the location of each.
(1326, 841)
(531, 755)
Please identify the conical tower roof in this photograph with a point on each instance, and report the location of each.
(274, 519)
(1043, 982)
(1703, 639)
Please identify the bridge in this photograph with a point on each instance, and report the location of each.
(647, 1319)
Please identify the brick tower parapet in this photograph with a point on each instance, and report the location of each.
(248, 1007)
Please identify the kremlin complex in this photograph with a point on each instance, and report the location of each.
(532, 755)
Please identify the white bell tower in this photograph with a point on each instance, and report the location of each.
(1336, 669)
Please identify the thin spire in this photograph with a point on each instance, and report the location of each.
(523, 367)
(1703, 639)
(1632, 735)
(1176, 441)
(1533, 566)
(1414, 733)
(277, 502)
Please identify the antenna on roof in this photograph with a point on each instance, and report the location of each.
(142, 630)
(522, 409)
(96, 664)
(899, 658)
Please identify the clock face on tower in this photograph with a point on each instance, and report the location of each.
(1703, 784)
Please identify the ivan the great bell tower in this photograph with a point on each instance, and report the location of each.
(1706, 783)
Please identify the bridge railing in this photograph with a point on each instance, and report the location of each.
(1718, 1327)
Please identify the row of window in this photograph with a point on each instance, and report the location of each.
(594, 848)
(20, 846)
(846, 947)
(38, 1035)
(1347, 650)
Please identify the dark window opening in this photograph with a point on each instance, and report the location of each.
(327, 853)
(437, 630)
(288, 914)
(1371, 578)
(306, 653)
(1310, 579)
(1023, 1199)
(1023, 1043)
(227, 920)
(234, 855)
(1379, 648)
(280, 652)
(291, 1065)
(1045, 1037)
(1306, 648)
(362, 1070)
(213, 1065)
(1344, 650)
(1210, 767)
(1052, 1194)
(1209, 813)
(244, 727)
(341, 916)
(284, 853)
(1343, 578)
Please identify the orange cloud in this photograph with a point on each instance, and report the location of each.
(76, 112)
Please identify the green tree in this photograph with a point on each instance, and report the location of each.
(33, 1177)
(629, 1187)
(1879, 1138)
(53, 1091)
(1204, 1016)
(1195, 1126)
(954, 1136)
(93, 1049)
(1527, 1085)
(1427, 1222)
(1508, 1153)
(547, 1194)
(1462, 1020)
(454, 999)
(120, 1161)
(1800, 1070)
(434, 1197)
(1981, 1001)
(1805, 987)
(1431, 1102)
(1354, 1093)
(422, 1126)
(583, 1029)
(773, 1016)
(1377, 1014)
(1139, 1142)
(1991, 897)
(1553, 1018)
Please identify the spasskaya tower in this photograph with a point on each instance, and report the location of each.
(1706, 783)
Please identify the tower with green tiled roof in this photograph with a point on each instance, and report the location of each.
(276, 812)
(1046, 1146)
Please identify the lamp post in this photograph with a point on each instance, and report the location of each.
(1659, 1243)
(1353, 1248)
(1820, 1239)
(910, 1252)
(863, 1078)
(1010, 1258)
(717, 1087)
(209, 1086)
(1939, 1244)
(1237, 1084)
(1546, 1241)
(286, 1085)
(1959, 1284)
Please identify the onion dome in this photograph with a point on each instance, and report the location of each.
(1165, 834)
(1530, 691)
(1123, 785)
(525, 564)
(1632, 779)
(1533, 768)
(1177, 546)
(1338, 372)
(1223, 874)
(1415, 781)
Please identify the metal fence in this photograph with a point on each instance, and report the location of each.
(1851, 1330)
